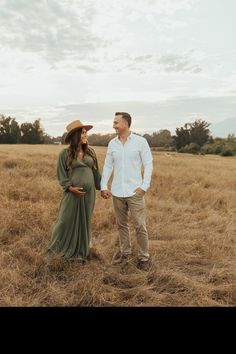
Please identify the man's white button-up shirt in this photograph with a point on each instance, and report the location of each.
(126, 161)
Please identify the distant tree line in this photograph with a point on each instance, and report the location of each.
(195, 138)
(11, 132)
(192, 138)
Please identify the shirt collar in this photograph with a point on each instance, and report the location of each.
(128, 138)
(131, 136)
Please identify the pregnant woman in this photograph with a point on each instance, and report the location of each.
(78, 174)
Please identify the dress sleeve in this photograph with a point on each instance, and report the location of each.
(62, 170)
(96, 174)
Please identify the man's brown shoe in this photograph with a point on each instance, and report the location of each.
(143, 265)
(124, 258)
(116, 256)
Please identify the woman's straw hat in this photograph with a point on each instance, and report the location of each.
(73, 126)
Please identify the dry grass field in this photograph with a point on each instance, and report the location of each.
(191, 216)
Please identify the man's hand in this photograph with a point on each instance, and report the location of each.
(77, 191)
(106, 194)
(140, 192)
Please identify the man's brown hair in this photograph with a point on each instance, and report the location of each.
(125, 116)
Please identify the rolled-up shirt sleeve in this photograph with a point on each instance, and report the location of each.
(62, 171)
(147, 161)
(107, 169)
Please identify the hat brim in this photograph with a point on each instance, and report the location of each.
(67, 138)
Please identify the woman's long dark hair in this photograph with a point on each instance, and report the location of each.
(75, 139)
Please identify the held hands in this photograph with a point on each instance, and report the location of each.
(77, 191)
(106, 194)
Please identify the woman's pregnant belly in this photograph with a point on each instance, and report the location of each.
(82, 177)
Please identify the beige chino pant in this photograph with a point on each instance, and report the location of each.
(136, 205)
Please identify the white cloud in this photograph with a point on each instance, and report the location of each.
(49, 28)
(59, 30)
(63, 53)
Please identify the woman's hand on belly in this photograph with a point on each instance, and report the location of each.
(77, 191)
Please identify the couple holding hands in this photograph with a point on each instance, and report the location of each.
(78, 174)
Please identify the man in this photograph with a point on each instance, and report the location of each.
(125, 156)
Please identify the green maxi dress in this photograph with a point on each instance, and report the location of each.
(71, 232)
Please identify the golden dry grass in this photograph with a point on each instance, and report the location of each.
(191, 215)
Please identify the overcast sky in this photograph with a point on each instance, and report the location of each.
(166, 62)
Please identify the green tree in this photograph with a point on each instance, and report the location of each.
(47, 139)
(32, 133)
(9, 130)
(63, 138)
(182, 137)
(231, 138)
(162, 138)
(100, 140)
(15, 132)
(199, 132)
(196, 132)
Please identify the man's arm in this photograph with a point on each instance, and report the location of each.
(147, 161)
(106, 173)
